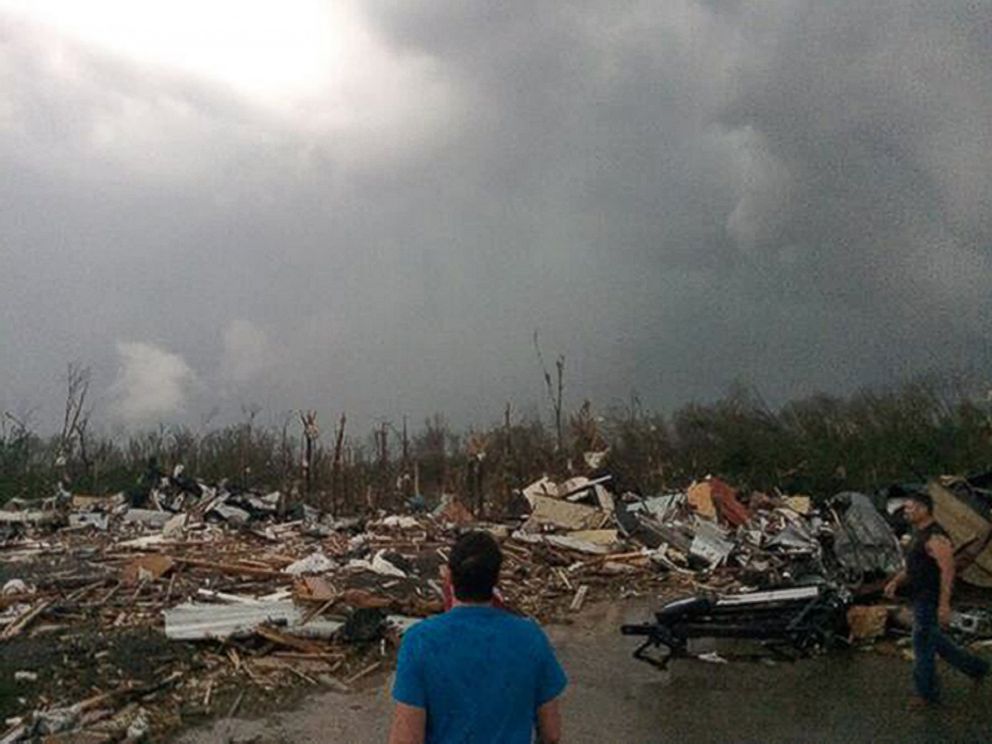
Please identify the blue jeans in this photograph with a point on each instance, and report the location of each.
(929, 641)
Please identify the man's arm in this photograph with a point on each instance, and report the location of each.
(549, 722)
(939, 548)
(409, 725)
(894, 583)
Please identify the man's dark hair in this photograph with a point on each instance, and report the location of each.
(475, 562)
(923, 499)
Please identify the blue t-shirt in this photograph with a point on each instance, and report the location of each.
(480, 672)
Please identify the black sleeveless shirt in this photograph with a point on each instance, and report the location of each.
(922, 571)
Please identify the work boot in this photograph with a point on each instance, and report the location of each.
(917, 703)
(978, 683)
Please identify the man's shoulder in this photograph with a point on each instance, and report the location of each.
(451, 622)
(523, 630)
(939, 537)
(526, 625)
(427, 626)
(935, 530)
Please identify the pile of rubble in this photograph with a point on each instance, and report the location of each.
(131, 614)
(710, 533)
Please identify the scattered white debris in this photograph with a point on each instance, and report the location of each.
(315, 563)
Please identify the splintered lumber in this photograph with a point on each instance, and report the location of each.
(580, 598)
(363, 673)
(236, 704)
(151, 517)
(617, 558)
(317, 611)
(13, 599)
(362, 599)
(284, 639)
(565, 515)
(24, 620)
(146, 568)
(230, 568)
(314, 588)
(32, 516)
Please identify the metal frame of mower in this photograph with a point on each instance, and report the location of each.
(802, 619)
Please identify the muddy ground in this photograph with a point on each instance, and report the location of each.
(855, 696)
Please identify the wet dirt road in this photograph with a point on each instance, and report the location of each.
(612, 699)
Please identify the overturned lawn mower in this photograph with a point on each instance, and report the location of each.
(791, 622)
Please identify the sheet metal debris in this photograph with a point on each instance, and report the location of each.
(864, 542)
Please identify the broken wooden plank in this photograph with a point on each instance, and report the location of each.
(229, 568)
(579, 598)
(314, 588)
(363, 673)
(18, 626)
(146, 568)
(284, 639)
(565, 514)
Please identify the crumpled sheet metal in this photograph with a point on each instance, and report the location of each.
(194, 621)
(864, 540)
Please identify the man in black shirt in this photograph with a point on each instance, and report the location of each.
(929, 578)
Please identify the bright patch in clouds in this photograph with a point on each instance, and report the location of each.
(151, 383)
(273, 50)
(317, 70)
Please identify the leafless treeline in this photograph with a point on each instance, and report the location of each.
(819, 445)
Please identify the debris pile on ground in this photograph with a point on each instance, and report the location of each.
(129, 614)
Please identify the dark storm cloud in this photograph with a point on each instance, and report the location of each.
(677, 195)
(868, 129)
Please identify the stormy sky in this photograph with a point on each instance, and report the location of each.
(371, 205)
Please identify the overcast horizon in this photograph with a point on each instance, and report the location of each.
(370, 206)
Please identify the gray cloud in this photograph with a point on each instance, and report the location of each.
(677, 195)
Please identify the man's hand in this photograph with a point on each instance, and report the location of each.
(944, 615)
(893, 586)
(549, 722)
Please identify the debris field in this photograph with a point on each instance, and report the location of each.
(123, 618)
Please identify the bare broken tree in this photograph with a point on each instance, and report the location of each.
(76, 418)
(287, 450)
(554, 390)
(476, 449)
(310, 434)
(382, 456)
(249, 411)
(404, 479)
(336, 464)
(15, 451)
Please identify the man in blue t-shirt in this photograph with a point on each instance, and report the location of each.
(476, 673)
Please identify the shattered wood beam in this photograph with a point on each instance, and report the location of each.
(325, 656)
(284, 639)
(363, 673)
(24, 620)
(618, 557)
(12, 599)
(579, 599)
(230, 568)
